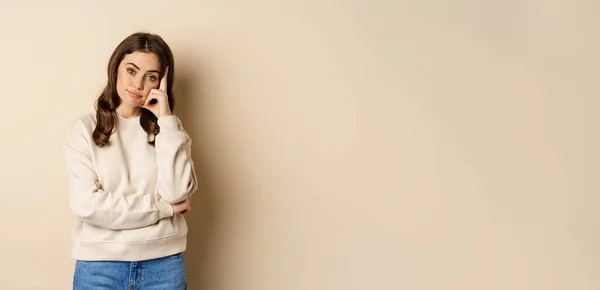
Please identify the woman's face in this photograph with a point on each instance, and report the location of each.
(138, 73)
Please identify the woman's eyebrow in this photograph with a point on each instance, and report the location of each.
(152, 70)
(133, 64)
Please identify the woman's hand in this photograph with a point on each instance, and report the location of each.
(160, 105)
(182, 207)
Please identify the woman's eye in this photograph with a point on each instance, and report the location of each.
(151, 78)
(130, 71)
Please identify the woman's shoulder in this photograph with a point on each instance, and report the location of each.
(82, 125)
(88, 119)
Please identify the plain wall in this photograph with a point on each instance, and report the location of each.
(339, 144)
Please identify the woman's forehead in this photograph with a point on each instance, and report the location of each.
(143, 60)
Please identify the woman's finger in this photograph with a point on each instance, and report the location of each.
(163, 81)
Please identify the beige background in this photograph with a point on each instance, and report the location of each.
(341, 144)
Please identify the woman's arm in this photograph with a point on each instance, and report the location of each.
(176, 175)
(96, 206)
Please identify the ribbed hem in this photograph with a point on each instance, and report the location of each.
(165, 209)
(130, 251)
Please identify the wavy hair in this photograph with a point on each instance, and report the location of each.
(108, 100)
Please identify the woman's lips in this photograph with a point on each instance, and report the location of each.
(134, 94)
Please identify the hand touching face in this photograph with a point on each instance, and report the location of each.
(138, 74)
(157, 101)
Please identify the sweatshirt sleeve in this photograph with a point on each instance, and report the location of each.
(96, 206)
(176, 175)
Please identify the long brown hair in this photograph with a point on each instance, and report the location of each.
(109, 100)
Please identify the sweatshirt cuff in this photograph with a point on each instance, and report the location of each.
(170, 123)
(165, 209)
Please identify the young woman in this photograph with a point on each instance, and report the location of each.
(131, 175)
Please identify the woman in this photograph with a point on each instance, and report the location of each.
(131, 175)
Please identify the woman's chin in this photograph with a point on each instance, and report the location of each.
(132, 103)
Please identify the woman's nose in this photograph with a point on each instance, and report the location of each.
(138, 83)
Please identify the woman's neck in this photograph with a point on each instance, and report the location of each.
(128, 112)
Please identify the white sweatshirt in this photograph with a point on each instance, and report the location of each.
(122, 193)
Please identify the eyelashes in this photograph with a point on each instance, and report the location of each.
(149, 77)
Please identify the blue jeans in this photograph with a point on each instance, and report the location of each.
(166, 273)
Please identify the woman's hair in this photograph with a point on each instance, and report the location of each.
(109, 100)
